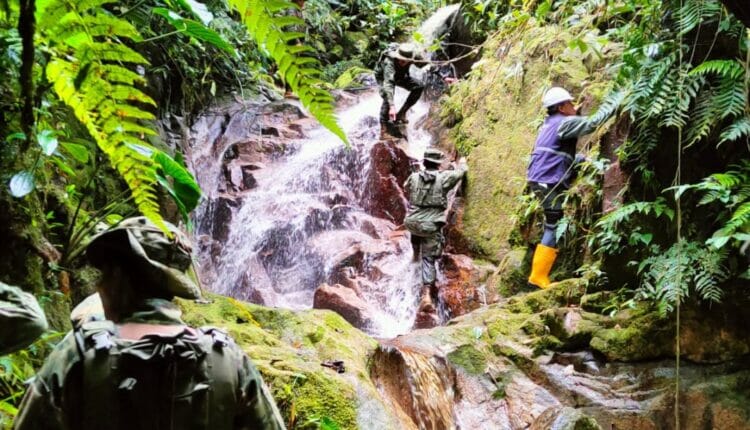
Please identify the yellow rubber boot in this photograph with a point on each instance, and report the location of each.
(541, 265)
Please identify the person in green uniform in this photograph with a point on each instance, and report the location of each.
(143, 367)
(391, 71)
(428, 203)
(21, 319)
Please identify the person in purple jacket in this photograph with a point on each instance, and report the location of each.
(550, 172)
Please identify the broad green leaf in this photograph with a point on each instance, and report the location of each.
(15, 136)
(201, 32)
(186, 189)
(77, 151)
(113, 219)
(22, 183)
(198, 9)
(48, 141)
(63, 166)
(194, 29)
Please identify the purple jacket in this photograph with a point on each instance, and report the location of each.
(555, 148)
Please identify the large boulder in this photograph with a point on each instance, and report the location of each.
(345, 302)
(389, 168)
(290, 348)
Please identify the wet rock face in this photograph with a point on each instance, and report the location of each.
(459, 289)
(384, 195)
(419, 387)
(565, 418)
(505, 373)
(344, 301)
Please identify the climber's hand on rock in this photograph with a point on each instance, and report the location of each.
(392, 114)
(450, 81)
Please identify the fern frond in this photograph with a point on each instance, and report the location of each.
(669, 277)
(736, 131)
(88, 73)
(731, 99)
(676, 112)
(695, 12)
(703, 116)
(731, 69)
(275, 33)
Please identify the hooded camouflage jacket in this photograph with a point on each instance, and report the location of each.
(21, 319)
(194, 380)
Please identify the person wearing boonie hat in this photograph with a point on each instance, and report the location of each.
(391, 71)
(551, 170)
(131, 362)
(428, 203)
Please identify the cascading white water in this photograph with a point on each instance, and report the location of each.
(291, 232)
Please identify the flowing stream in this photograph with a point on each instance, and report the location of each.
(305, 220)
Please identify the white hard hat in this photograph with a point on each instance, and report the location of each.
(555, 96)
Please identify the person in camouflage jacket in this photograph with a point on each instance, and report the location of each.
(143, 367)
(21, 319)
(391, 71)
(428, 202)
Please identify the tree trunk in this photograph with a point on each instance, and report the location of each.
(26, 30)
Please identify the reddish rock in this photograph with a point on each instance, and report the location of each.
(457, 242)
(345, 302)
(389, 168)
(426, 320)
(458, 291)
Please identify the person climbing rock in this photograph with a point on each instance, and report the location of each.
(391, 71)
(143, 367)
(21, 319)
(550, 171)
(428, 201)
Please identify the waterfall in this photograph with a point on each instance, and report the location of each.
(283, 215)
(419, 386)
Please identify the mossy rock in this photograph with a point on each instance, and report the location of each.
(469, 359)
(564, 418)
(495, 114)
(513, 273)
(288, 348)
(635, 335)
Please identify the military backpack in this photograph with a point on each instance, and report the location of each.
(426, 191)
(188, 381)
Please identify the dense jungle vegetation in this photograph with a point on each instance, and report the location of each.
(90, 89)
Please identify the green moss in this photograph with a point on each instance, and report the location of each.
(315, 396)
(546, 343)
(288, 348)
(495, 114)
(508, 325)
(635, 336)
(468, 358)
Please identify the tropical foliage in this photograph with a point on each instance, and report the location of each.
(681, 88)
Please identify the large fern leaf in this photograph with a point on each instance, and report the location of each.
(88, 73)
(271, 25)
(697, 12)
(737, 130)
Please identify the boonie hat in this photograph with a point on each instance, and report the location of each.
(166, 261)
(434, 155)
(408, 52)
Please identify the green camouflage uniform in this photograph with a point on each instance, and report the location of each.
(194, 379)
(21, 319)
(428, 197)
(70, 393)
(390, 74)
